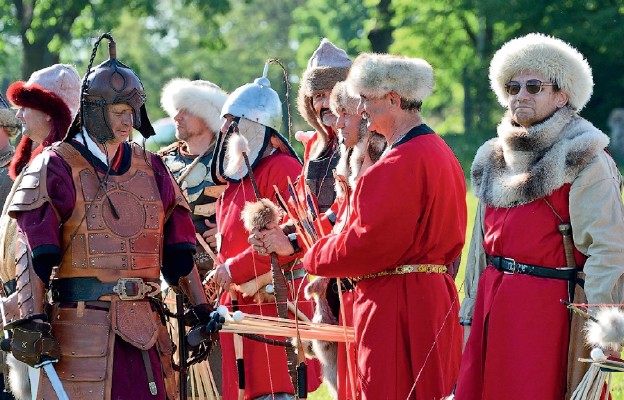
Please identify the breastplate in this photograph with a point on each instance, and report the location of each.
(320, 177)
(116, 229)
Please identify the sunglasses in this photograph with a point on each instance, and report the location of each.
(533, 86)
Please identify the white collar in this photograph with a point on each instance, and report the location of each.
(91, 146)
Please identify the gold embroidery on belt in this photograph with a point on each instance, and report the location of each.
(407, 269)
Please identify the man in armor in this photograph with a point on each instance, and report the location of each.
(101, 219)
(256, 110)
(195, 106)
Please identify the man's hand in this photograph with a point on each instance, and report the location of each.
(210, 235)
(222, 277)
(269, 240)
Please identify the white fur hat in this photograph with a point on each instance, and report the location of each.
(341, 99)
(375, 75)
(203, 99)
(555, 59)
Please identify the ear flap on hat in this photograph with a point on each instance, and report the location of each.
(146, 129)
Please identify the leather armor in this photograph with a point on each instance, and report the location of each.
(101, 245)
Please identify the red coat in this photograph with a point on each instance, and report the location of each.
(408, 208)
(265, 365)
(521, 351)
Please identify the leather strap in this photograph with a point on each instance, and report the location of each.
(91, 289)
(509, 265)
(150, 374)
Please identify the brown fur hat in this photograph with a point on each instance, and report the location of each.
(327, 66)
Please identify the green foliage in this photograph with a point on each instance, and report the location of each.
(227, 42)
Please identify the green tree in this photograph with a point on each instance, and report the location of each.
(44, 27)
(594, 27)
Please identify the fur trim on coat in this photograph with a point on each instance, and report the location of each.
(522, 165)
(325, 352)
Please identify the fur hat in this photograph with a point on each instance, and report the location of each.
(555, 59)
(375, 75)
(8, 120)
(53, 90)
(341, 99)
(327, 66)
(203, 99)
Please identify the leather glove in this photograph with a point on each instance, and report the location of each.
(198, 315)
(32, 343)
(203, 332)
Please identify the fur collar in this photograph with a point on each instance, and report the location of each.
(522, 165)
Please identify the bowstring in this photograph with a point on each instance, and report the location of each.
(435, 341)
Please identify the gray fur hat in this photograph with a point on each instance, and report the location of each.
(555, 59)
(375, 75)
(203, 99)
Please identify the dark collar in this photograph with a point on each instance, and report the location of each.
(419, 130)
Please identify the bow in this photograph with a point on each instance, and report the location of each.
(296, 366)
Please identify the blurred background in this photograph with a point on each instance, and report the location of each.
(228, 41)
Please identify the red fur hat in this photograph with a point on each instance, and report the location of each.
(53, 90)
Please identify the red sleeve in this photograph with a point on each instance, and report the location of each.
(248, 264)
(370, 243)
(409, 208)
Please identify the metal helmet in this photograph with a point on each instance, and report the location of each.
(111, 82)
(256, 102)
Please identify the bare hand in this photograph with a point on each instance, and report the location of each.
(222, 277)
(269, 240)
(210, 235)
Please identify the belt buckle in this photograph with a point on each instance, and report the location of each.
(514, 265)
(124, 285)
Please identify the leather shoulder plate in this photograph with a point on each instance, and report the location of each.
(32, 192)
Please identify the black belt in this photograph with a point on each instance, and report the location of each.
(91, 289)
(512, 266)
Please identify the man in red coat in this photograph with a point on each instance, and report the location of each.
(546, 169)
(256, 109)
(408, 222)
